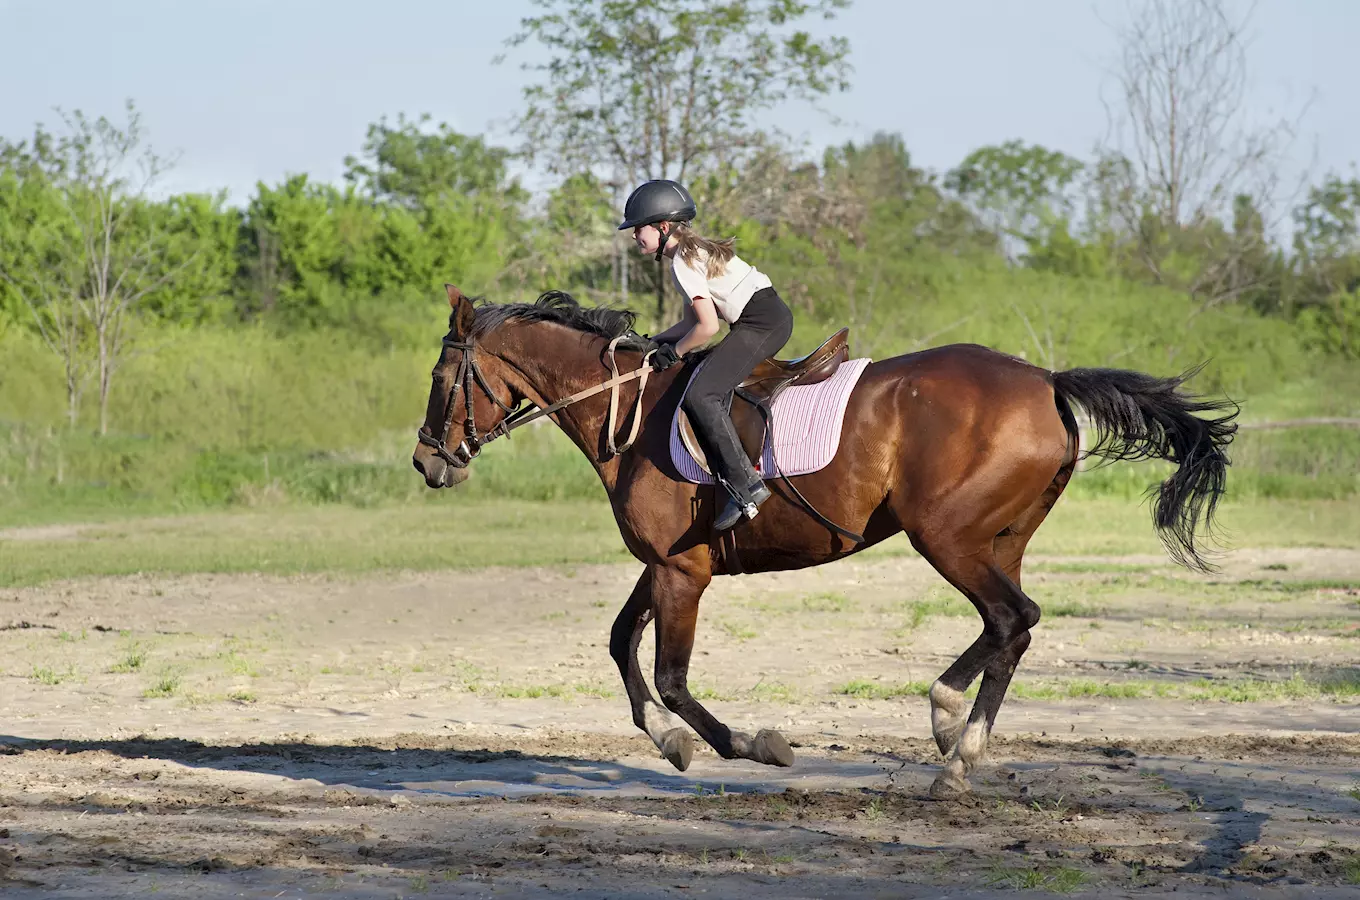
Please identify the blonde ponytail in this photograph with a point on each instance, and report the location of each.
(690, 245)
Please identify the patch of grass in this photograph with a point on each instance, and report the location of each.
(1072, 608)
(532, 692)
(1350, 870)
(1343, 685)
(704, 692)
(238, 664)
(68, 637)
(873, 690)
(1101, 526)
(773, 691)
(243, 696)
(594, 690)
(739, 632)
(1085, 568)
(1059, 879)
(1296, 587)
(874, 811)
(50, 676)
(1354, 793)
(919, 611)
(487, 530)
(826, 601)
(132, 660)
(338, 539)
(165, 686)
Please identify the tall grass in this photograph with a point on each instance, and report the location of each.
(249, 416)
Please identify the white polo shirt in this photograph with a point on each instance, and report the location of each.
(730, 291)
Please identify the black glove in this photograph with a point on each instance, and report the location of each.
(664, 357)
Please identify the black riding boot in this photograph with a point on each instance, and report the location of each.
(743, 485)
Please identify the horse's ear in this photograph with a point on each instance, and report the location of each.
(463, 313)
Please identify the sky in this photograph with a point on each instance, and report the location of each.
(253, 90)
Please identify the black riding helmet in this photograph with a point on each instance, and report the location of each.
(658, 201)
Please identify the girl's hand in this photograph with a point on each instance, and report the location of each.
(664, 357)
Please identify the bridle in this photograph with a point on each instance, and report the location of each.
(470, 447)
(469, 373)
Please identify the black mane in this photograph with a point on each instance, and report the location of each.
(564, 309)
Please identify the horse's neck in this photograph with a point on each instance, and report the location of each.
(558, 362)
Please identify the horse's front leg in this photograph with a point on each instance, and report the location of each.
(675, 605)
(667, 732)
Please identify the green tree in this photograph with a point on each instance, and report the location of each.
(1021, 191)
(632, 91)
(198, 236)
(40, 279)
(1327, 251)
(411, 165)
(104, 254)
(658, 91)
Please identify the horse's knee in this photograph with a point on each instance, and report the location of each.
(1029, 614)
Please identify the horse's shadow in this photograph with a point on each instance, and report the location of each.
(454, 769)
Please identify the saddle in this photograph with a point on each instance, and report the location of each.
(765, 382)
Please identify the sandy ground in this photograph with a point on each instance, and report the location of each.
(466, 735)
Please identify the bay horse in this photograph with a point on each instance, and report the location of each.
(964, 448)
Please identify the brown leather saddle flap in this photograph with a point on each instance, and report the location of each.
(765, 382)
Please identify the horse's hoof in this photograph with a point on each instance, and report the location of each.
(948, 786)
(678, 747)
(770, 748)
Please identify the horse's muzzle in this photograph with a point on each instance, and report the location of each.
(436, 471)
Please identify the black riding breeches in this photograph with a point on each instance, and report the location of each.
(764, 327)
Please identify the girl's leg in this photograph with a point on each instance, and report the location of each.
(706, 402)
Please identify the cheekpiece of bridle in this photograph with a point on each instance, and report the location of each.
(470, 447)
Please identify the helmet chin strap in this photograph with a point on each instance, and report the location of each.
(661, 245)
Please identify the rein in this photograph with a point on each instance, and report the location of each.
(469, 372)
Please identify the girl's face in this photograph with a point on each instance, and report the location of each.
(648, 237)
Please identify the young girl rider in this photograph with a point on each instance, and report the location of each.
(716, 284)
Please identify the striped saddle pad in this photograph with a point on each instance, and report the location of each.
(806, 430)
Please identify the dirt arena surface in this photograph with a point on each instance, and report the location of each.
(466, 735)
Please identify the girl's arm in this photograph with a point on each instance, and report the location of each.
(705, 325)
(673, 334)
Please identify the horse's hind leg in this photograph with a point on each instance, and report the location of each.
(949, 708)
(965, 741)
(1009, 548)
(675, 603)
(1006, 615)
(670, 737)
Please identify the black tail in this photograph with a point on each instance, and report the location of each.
(1137, 416)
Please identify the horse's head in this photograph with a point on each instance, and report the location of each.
(468, 399)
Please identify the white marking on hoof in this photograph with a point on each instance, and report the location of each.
(948, 710)
(972, 747)
(658, 721)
